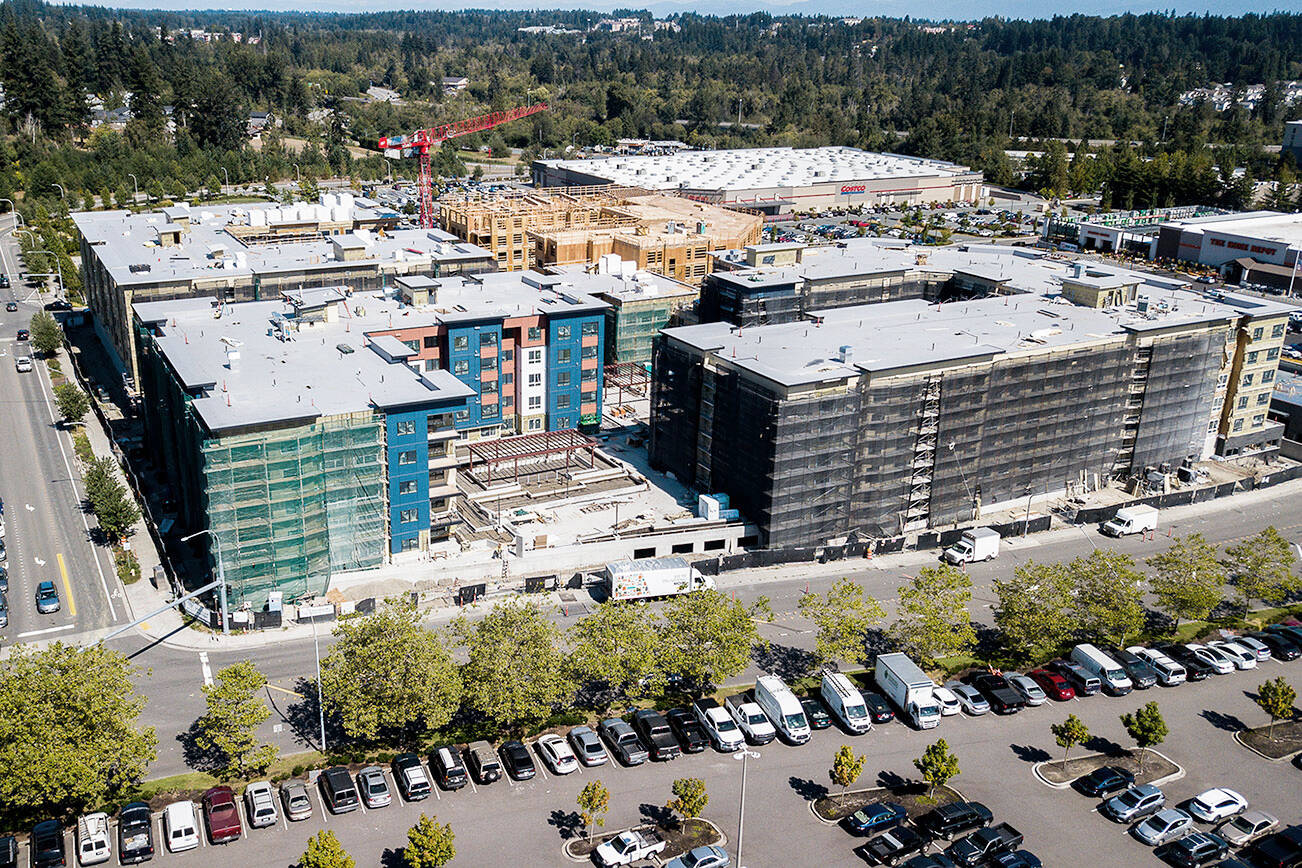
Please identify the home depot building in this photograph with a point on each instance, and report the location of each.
(1253, 247)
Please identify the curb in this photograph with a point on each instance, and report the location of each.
(565, 848)
(826, 822)
(1174, 776)
(1287, 758)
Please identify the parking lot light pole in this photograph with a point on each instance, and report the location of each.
(742, 755)
(320, 704)
(221, 574)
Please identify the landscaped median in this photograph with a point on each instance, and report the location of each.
(679, 837)
(912, 796)
(1157, 768)
(1279, 745)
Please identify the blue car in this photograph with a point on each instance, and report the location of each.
(876, 818)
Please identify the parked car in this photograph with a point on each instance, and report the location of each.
(1220, 663)
(751, 719)
(46, 845)
(969, 697)
(337, 790)
(623, 742)
(587, 746)
(1256, 646)
(556, 754)
(688, 730)
(1195, 668)
(448, 768)
(1281, 646)
(947, 701)
(653, 729)
(1031, 693)
(1142, 673)
(891, 846)
(982, 844)
(47, 598)
(1135, 803)
(260, 805)
(410, 778)
(1292, 632)
(701, 857)
(875, 817)
(816, 712)
(1054, 685)
(1104, 780)
(1193, 850)
(24, 334)
(374, 787)
(949, 821)
(1016, 859)
(1283, 849)
(483, 762)
(1003, 699)
(1166, 825)
(933, 860)
(1239, 654)
(879, 710)
(1083, 682)
(294, 798)
(1216, 804)
(519, 764)
(221, 815)
(180, 827)
(135, 833)
(1247, 827)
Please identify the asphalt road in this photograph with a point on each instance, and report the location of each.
(47, 535)
(527, 823)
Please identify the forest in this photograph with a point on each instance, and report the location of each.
(965, 92)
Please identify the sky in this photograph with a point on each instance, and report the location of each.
(933, 9)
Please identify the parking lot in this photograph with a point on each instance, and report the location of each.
(506, 819)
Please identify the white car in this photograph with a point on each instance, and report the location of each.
(1238, 654)
(968, 697)
(1166, 825)
(557, 754)
(1256, 646)
(947, 701)
(1212, 657)
(1217, 804)
(1026, 688)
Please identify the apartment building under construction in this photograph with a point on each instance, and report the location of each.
(662, 234)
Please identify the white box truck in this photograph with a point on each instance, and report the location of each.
(1131, 519)
(648, 578)
(977, 544)
(783, 708)
(909, 688)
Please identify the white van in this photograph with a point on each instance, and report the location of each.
(180, 827)
(93, 845)
(1114, 679)
(845, 702)
(782, 707)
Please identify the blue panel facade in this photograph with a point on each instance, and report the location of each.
(565, 356)
(465, 362)
(408, 463)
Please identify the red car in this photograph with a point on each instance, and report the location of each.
(222, 815)
(1053, 684)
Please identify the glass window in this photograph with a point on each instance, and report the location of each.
(563, 378)
(590, 375)
(431, 341)
(535, 379)
(1272, 354)
(407, 516)
(413, 345)
(488, 339)
(463, 416)
(1258, 421)
(408, 457)
(461, 367)
(1257, 333)
(508, 401)
(1263, 398)
(588, 353)
(488, 363)
(488, 386)
(563, 333)
(508, 355)
(410, 544)
(461, 342)
(535, 334)
(406, 426)
(1268, 376)
(1238, 424)
(535, 402)
(535, 357)
(590, 328)
(431, 364)
(1252, 357)
(563, 357)
(489, 411)
(1247, 379)
(535, 424)
(407, 486)
(562, 402)
(1243, 402)
(508, 379)
(1277, 331)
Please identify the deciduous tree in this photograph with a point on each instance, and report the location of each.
(1188, 579)
(228, 730)
(1034, 610)
(1069, 733)
(933, 618)
(690, 798)
(388, 674)
(706, 637)
(846, 767)
(325, 851)
(1276, 698)
(429, 844)
(617, 647)
(1109, 595)
(843, 616)
(46, 336)
(937, 765)
(1261, 568)
(72, 403)
(516, 673)
(594, 804)
(1147, 728)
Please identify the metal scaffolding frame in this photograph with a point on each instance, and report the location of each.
(542, 443)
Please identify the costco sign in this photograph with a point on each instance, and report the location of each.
(849, 189)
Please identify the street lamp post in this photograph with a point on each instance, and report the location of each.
(14, 211)
(58, 266)
(221, 574)
(320, 705)
(135, 186)
(227, 175)
(63, 194)
(742, 755)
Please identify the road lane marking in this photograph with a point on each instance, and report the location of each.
(207, 670)
(67, 585)
(43, 632)
(284, 690)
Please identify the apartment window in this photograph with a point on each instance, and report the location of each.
(562, 422)
(535, 424)
(488, 339)
(588, 353)
(535, 357)
(1267, 376)
(408, 457)
(563, 378)
(1243, 402)
(1257, 333)
(410, 544)
(1252, 357)
(462, 416)
(562, 402)
(590, 375)
(589, 328)
(407, 516)
(508, 379)
(461, 342)
(488, 386)
(1223, 380)
(1272, 354)
(508, 355)
(406, 426)
(489, 411)
(1211, 427)
(1277, 331)
(407, 486)
(431, 342)
(1247, 379)
(413, 345)
(431, 364)
(563, 333)
(535, 334)
(488, 363)
(535, 402)
(461, 367)
(1263, 398)
(563, 357)
(1238, 424)
(535, 379)
(508, 401)
(1258, 420)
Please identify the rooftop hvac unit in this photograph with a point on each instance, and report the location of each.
(846, 354)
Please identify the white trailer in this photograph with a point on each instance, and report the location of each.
(1132, 519)
(653, 577)
(909, 688)
(977, 544)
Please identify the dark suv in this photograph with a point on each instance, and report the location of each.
(338, 790)
(448, 769)
(947, 821)
(47, 845)
(656, 734)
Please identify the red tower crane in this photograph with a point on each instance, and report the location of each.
(420, 142)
